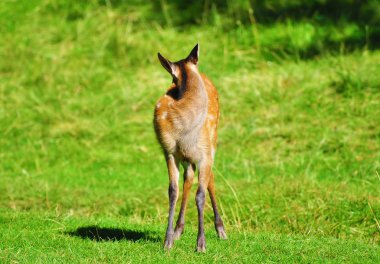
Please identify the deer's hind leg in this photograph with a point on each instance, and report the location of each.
(173, 171)
(219, 227)
(188, 177)
(203, 179)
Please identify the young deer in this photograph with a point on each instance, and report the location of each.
(185, 121)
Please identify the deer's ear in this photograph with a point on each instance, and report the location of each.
(193, 56)
(169, 66)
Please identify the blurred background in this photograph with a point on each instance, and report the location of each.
(299, 137)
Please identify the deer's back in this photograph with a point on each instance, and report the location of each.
(187, 127)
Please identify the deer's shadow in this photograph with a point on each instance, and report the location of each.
(100, 234)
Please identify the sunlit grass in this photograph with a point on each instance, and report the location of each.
(298, 155)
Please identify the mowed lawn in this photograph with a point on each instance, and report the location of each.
(82, 178)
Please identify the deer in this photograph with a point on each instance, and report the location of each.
(185, 121)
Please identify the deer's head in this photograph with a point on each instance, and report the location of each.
(182, 69)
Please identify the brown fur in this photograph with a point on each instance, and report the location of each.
(187, 127)
(185, 121)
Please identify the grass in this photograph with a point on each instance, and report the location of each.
(45, 240)
(297, 166)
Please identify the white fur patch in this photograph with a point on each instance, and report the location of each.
(158, 105)
(193, 67)
(164, 115)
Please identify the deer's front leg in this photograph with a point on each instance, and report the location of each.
(173, 196)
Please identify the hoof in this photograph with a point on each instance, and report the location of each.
(178, 231)
(177, 234)
(168, 244)
(201, 249)
(221, 233)
(201, 245)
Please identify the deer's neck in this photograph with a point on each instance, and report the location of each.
(193, 102)
(192, 89)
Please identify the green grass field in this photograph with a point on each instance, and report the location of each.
(82, 178)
